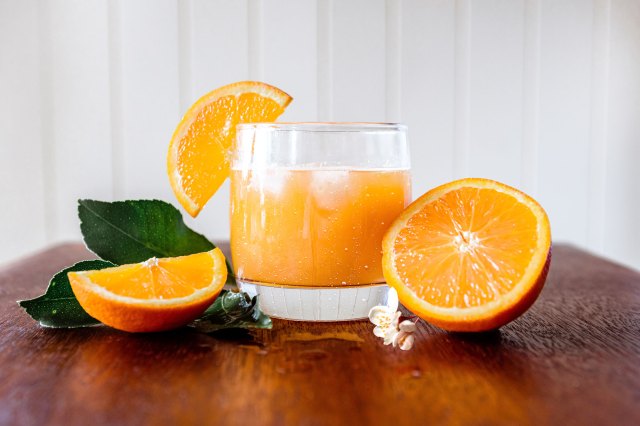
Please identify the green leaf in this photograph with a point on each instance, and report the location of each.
(58, 307)
(232, 310)
(133, 231)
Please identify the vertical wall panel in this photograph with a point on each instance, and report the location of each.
(565, 111)
(22, 209)
(462, 88)
(598, 123)
(220, 55)
(359, 60)
(393, 60)
(324, 22)
(78, 70)
(255, 31)
(497, 29)
(622, 214)
(186, 32)
(150, 94)
(290, 54)
(428, 63)
(115, 33)
(220, 44)
(530, 97)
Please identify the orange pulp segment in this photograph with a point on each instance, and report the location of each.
(199, 152)
(470, 255)
(155, 295)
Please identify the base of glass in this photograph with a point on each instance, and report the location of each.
(316, 303)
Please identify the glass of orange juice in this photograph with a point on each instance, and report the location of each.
(310, 203)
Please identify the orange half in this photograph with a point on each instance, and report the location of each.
(155, 295)
(200, 150)
(470, 255)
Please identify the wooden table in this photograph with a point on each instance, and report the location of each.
(574, 358)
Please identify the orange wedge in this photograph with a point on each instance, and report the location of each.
(156, 295)
(200, 148)
(471, 255)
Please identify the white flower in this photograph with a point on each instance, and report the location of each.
(386, 318)
(392, 330)
(386, 322)
(392, 299)
(403, 340)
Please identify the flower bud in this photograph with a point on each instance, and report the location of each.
(408, 326)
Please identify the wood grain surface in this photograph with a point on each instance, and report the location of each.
(573, 358)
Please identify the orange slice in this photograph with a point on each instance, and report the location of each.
(470, 255)
(156, 295)
(200, 148)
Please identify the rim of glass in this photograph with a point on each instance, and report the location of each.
(325, 126)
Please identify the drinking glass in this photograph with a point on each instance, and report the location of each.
(310, 203)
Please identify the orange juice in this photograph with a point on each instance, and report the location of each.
(313, 227)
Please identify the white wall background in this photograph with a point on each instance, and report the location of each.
(541, 94)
